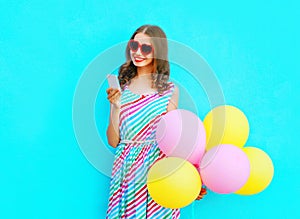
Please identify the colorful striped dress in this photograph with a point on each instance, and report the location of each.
(136, 152)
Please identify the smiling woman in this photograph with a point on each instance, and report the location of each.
(145, 96)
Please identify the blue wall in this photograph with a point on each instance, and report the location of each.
(253, 48)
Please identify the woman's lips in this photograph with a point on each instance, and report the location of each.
(138, 59)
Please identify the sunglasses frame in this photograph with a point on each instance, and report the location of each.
(140, 46)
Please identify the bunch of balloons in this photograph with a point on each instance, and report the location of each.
(228, 166)
(211, 152)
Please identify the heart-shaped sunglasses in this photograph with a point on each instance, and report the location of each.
(145, 49)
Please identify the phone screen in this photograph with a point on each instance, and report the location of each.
(113, 81)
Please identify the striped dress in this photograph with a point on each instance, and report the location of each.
(136, 152)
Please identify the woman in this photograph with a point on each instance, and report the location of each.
(146, 96)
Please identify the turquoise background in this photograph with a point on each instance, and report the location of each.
(253, 48)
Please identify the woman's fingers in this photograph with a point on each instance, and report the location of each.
(199, 197)
(113, 95)
(111, 92)
(202, 193)
(108, 90)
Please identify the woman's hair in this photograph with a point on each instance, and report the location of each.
(161, 67)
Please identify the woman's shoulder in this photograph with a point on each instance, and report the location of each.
(170, 83)
(171, 88)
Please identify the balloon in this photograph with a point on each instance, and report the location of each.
(180, 133)
(225, 168)
(173, 182)
(261, 171)
(226, 125)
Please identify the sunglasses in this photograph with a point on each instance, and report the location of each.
(134, 45)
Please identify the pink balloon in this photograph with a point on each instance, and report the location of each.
(225, 168)
(180, 133)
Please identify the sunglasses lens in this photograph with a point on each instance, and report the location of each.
(133, 45)
(146, 49)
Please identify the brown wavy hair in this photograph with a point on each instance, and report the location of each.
(161, 68)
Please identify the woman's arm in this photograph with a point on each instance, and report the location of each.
(112, 132)
(174, 100)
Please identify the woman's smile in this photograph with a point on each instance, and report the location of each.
(139, 58)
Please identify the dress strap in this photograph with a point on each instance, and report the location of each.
(172, 87)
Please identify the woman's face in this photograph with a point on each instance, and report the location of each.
(139, 58)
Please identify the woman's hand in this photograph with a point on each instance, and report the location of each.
(113, 95)
(113, 135)
(202, 193)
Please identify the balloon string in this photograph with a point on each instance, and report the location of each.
(193, 211)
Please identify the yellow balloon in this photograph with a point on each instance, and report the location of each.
(173, 182)
(226, 125)
(261, 171)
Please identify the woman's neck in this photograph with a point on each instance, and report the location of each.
(143, 79)
(145, 70)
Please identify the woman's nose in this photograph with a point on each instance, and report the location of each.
(138, 52)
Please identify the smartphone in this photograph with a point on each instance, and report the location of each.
(113, 81)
